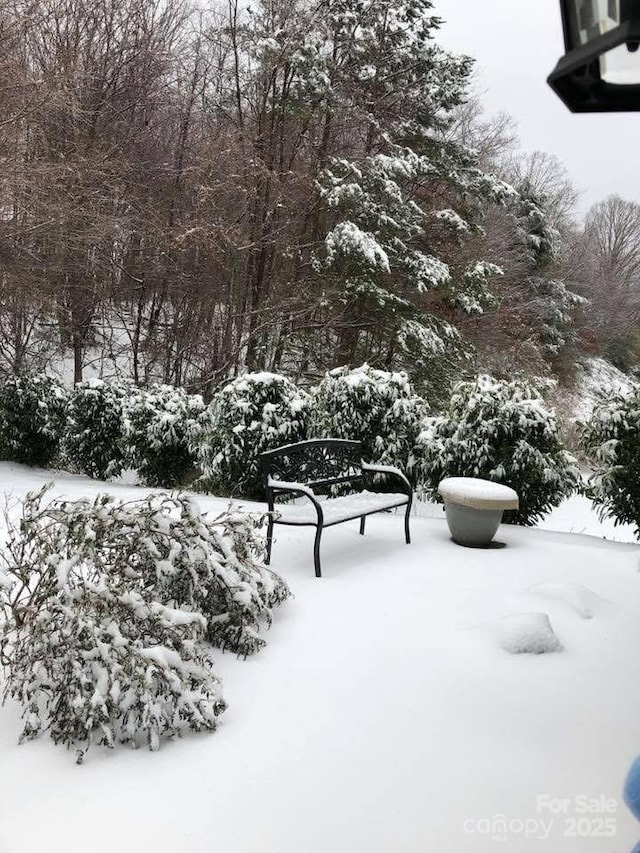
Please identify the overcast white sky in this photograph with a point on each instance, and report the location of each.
(516, 45)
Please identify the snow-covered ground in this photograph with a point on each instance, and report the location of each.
(385, 713)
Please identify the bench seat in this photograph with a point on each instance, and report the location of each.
(336, 510)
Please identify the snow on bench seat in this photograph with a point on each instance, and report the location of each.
(476, 493)
(339, 509)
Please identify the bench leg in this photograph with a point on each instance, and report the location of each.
(316, 552)
(407, 535)
(269, 540)
(362, 519)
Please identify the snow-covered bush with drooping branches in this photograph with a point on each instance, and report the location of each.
(106, 606)
(251, 414)
(501, 431)
(94, 440)
(162, 428)
(611, 438)
(375, 407)
(32, 412)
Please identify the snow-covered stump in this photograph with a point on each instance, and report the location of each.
(474, 508)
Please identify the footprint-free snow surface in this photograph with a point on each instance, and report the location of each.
(378, 717)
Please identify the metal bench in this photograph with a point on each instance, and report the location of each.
(336, 484)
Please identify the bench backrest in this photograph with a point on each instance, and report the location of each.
(319, 463)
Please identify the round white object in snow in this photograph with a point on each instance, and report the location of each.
(478, 494)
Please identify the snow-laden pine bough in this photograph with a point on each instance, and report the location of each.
(337, 484)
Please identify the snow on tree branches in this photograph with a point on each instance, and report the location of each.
(162, 427)
(375, 407)
(254, 413)
(611, 437)
(32, 412)
(106, 608)
(500, 431)
(94, 439)
(405, 192)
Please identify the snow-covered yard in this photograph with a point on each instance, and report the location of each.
(383, 715)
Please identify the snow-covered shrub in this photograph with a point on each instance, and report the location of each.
(372, 406)
(162, 427)
(500, 431)
(218, 570)
(94, 434)
(611, 437)
(32, 412)
(107, 605)
(253, 413)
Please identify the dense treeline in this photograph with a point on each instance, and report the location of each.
(188, 193)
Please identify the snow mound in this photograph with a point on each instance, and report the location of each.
(583, 601)
(525, 633)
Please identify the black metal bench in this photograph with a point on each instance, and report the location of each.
(317, 470)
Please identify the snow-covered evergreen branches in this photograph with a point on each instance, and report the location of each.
(611, 437)
(106, 608)
(162, 427)
(254, 413)
(32, 412)
(375, 407)
(94, 439)
(500, 431)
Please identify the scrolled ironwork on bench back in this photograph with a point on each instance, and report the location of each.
(319, 463)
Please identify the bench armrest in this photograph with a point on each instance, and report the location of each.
(388, 469)
(282, 486)
(294, 488)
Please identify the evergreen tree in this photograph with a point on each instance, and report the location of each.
(356, 103)
(401, 192)
(551, 305)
